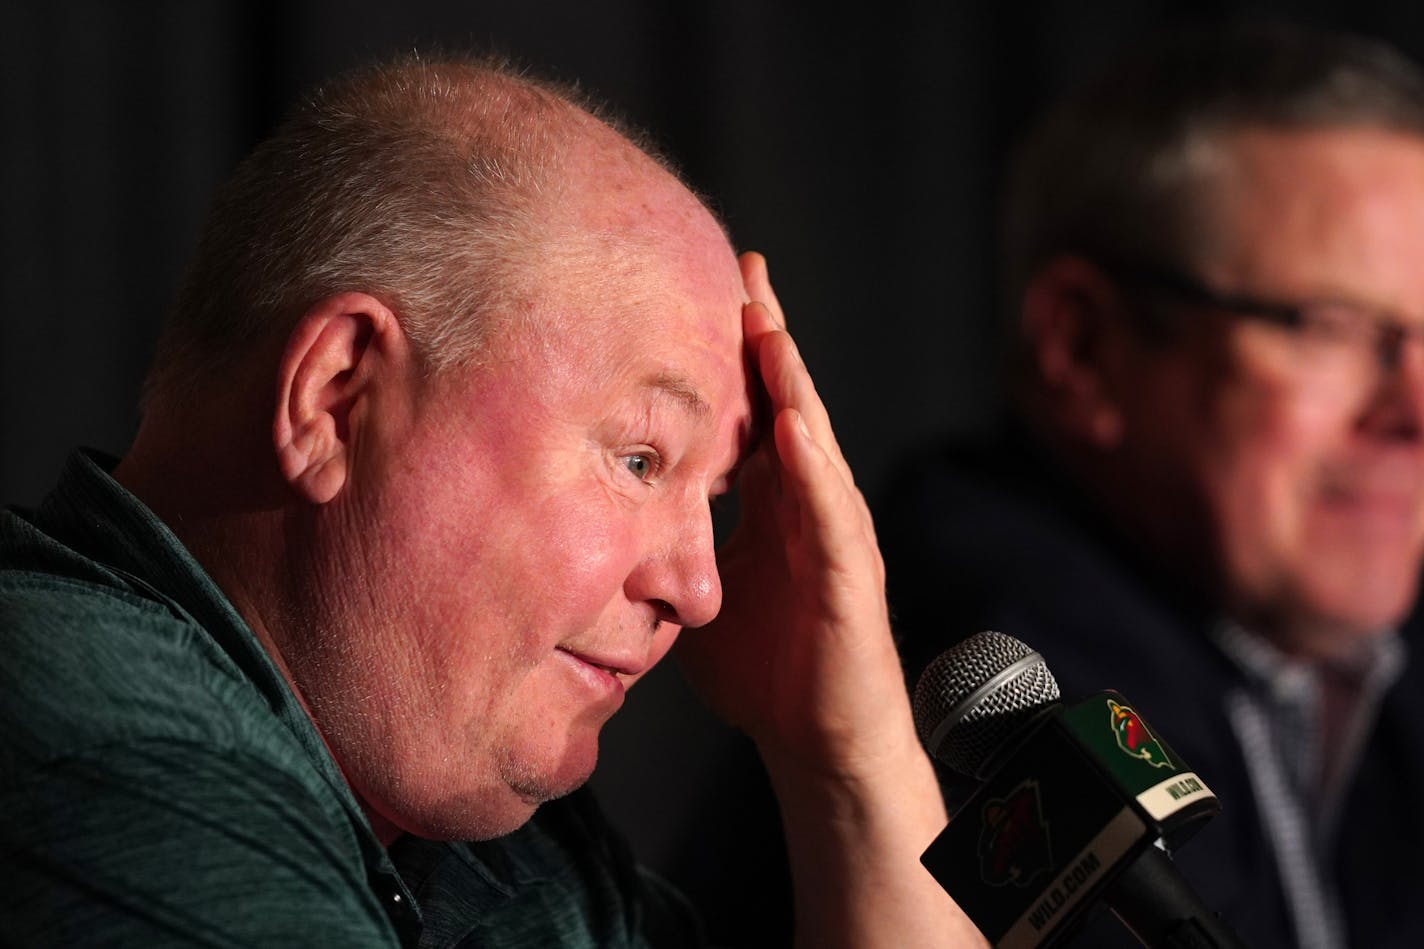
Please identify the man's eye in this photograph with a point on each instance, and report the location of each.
(642, 466)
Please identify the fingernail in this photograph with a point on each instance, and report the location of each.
(801, 425)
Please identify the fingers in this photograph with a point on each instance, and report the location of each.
(805, 445)
(758, 285)
(757, 323)
(820, 481)
(787, 382)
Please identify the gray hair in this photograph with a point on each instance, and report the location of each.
(417, 182)
(1119, 171)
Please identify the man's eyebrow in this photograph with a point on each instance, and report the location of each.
(682, 391)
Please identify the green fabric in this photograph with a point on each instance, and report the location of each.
(159, 784)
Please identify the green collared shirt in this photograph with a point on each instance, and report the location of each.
(160, 785)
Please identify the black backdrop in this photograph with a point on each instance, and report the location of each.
(858, 145)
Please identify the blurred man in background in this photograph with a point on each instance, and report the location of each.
(1211, 493)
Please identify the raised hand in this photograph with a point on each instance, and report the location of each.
(801, 658)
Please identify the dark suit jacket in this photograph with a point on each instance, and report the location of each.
(992, 536)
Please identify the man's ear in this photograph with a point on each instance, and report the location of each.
(339, 349)
(1073, 324)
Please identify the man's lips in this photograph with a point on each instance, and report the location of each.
(610, 663)
(1394, 479)
(1374, 501)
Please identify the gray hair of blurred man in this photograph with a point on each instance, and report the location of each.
(1120, 170)
(419, 182)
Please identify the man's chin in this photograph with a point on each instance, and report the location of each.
(517, 789)
(535, 782)
(565, 782)
(1338, 629)
(494, 809)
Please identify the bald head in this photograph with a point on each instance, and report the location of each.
(426, 184)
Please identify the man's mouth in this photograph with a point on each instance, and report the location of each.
(614, 666)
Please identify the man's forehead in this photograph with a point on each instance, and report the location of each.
(645, 260)
(623, 204)
(1288, 201)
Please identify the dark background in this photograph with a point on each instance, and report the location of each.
(858, 145)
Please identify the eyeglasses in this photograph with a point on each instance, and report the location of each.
(1339, 338)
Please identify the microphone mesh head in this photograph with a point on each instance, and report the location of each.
(976, 695)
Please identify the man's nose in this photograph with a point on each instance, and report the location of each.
(1396, 408)
(680, 575)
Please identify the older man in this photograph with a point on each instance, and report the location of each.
(1212, 497)
(421, 488)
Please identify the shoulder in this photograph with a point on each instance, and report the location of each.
(983, 538)
(158, 841)
(84, 664)
(148, 790)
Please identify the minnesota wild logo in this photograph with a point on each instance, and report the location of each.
(1133, 736)
(1013, 839)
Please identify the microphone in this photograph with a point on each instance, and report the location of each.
(1079, 804)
